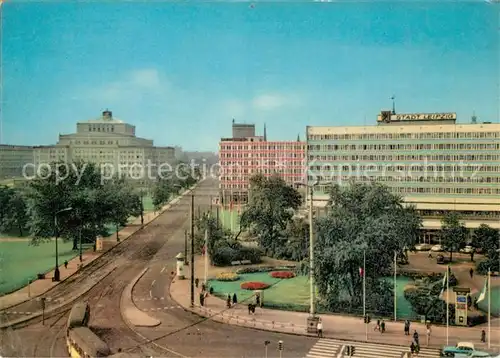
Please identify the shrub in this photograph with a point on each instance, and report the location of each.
(224, 256)
(282, 274)
(227, 276)
(254, 285)
(264, 269)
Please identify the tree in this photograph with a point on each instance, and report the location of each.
(453, 233)
(16, 216)
(270, 210)
(162, 191)
(76, 185)
(487, 239)
(363, 220)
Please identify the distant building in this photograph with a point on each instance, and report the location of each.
(241, 158)
(242, 130)
(13, 158)
(432, 161)
(109, 142)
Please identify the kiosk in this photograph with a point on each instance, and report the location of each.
(180, 266)
(461, 298)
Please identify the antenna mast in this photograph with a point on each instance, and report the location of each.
(393, 98)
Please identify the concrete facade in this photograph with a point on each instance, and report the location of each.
(13, 158)
(432, 161)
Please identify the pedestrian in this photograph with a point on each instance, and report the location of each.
(196, 282)
(203, 286)
(483, 336)
(430, 255)
(257, 299)
(66, 264)
(320, 328)
(228, 301)
(202, 299)
(471, 272)
(235, 299)
(409, 325)
(211, 290)
(417, 349)
(205, 296)
(412, 347)
(415, 337)
(428, 334)
(382, 326)
(377, 326)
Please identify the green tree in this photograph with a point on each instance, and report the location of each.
(162, 192)
(16, 216)
(363, 220)
(270, 210)
(487, 239)
(453, 233)
(76, 185)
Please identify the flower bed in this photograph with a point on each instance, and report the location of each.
(254, 285)
(282, 274)
(227, 277)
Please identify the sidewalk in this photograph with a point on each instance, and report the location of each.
(335, 326)
(39, 287)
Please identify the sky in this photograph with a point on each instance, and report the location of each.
(182, 71)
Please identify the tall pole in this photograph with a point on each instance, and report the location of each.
(57, 274)
(489, 309)
(192, 250)
(206, 251)
(311, 253)
(395, 285)
(447, 303)
(80, 239)
(185, 247)
(364, 283)
(217, 216)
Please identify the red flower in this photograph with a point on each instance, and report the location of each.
(253, 285)
(282, 274)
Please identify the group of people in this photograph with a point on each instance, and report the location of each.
(380, 326)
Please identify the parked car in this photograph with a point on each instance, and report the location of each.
(437, 248)
(467, 249)
(423, 247)
(475, 354)
(461, 348)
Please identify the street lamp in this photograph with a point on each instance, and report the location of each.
(311, 249)
(57, 274)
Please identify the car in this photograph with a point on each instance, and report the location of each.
(474, 354)
(437, 248)
(467, 249)
(423, 247)
(460, 348)
(441, 260)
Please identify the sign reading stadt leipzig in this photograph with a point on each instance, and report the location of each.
(405, 117)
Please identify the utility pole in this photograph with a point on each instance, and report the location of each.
(186, 248)
(192, 250)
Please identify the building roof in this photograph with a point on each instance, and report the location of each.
(105, 118)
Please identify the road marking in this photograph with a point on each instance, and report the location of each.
(163, 269)
(150, 294)
(153, 283)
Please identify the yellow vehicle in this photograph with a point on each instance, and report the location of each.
(79, 315)
(83, 343)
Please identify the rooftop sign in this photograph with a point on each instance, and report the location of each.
(402, 117)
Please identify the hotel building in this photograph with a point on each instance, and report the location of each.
(109, 142)
(433, 162)
(242, 157)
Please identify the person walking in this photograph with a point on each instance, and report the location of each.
(66, 264)
(471, 273)
(382, 327)
(483, 336)
(235, 299)
(377, 326)
(407, 327)
(428, 334)
(415, 337)
(320, 328)
(412, 348)
(228, 301)
(197, 282)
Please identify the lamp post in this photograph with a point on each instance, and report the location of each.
(57, 274)
(311, 250)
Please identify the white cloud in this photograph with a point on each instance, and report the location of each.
(272, 101)
(134, 84)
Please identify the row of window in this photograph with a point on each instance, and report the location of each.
(263, 147)
(292, 176)
(419, 146)
(421, 135)
(101, 128)
(463, 214)
(407, 157)
(268, 162)
(402, 168)
(261, 155)
(435, 190)
(101, 142)
(407, 178)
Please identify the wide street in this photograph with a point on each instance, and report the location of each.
(180, 333)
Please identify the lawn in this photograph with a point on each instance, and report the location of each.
(495, 301)
(21, 262)
(294, 291)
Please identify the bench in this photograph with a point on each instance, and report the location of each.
(242, 262)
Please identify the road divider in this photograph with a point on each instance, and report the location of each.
(129, 311)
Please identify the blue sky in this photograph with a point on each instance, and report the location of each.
(180, 72)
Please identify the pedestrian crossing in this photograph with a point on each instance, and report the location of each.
(332, 348)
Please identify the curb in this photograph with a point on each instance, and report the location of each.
(166, 207)
(55, 308)
(126, 300)
(131, 286)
